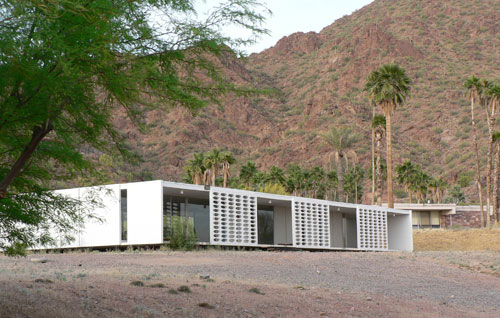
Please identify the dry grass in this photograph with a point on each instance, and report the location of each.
(457, 240)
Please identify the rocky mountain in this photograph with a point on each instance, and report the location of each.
(319, 78)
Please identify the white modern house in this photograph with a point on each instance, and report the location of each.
(141, 213)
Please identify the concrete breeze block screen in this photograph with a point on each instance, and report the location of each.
(233, 218)
(310, 223)
(372, 228)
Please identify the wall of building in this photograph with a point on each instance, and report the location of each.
(307, 223)
(144, 212)
(102, 232)
(467, 218)
(399, 232)
(351, 232)
(336, 230)
(282, 225)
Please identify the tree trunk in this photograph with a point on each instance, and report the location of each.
(390, 198)
(340, 176)
(186, 217)
(410, 194)
(356, 193)
(495, 184)
(225, 172)
(379, 172)
(214, 175)
(38, 134)
(373, 160)
(478, 170)
(491, 124)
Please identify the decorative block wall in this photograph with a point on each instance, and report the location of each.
(372, 228)
(233, 218)
(310, 223)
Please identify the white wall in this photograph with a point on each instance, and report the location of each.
(94, 232)
(351, 232)
(144, 212)
(282, 225)
(336, 232)
(400, 234)
(106, 232)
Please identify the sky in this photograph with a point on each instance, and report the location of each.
(290, 16)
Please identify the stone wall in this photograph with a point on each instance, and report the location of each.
(463, 217)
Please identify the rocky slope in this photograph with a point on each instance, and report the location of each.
(320, 77)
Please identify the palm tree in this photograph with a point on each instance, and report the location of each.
(196, 168)
(420, 184)
(373, 151)
(388, 87)
(440, 185)
(378, 128)
(247, 173)
(342, 140)
(213, 161)
(331, 184)
(227, 159)
(473, 85)
(491, 98)
(295, 179)
(432, 185)
(353, 181)
(496, 141)
(316, 176)
(276, 175)
(405, 177)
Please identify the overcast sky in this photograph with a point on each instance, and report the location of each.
(290, 16)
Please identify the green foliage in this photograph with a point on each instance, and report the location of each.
(353, 184)
(183, 237)
(378, 121)
(456, 195)
(464, 180)
(388, 86)
(274, 188)
(67, 66)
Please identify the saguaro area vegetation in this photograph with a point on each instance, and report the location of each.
(66, 65)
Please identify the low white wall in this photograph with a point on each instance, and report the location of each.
(144, 213)
(282, 225)
(400, 234)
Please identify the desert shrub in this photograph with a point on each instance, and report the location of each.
(464, 180)
(180, 238)
(256, 291)
(184, 289)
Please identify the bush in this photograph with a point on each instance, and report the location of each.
(182, 239)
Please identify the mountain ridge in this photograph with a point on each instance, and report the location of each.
(320, 77)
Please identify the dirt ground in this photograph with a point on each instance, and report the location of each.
(251, 284)
(457, 240)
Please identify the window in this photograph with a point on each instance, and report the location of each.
(265, 225)
(123, 210)
(198, 212)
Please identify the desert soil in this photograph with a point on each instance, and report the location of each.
(252, 284)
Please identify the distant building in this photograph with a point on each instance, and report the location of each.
(143, 213)
(442, 215)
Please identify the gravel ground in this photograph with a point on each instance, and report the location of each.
(295, 284)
